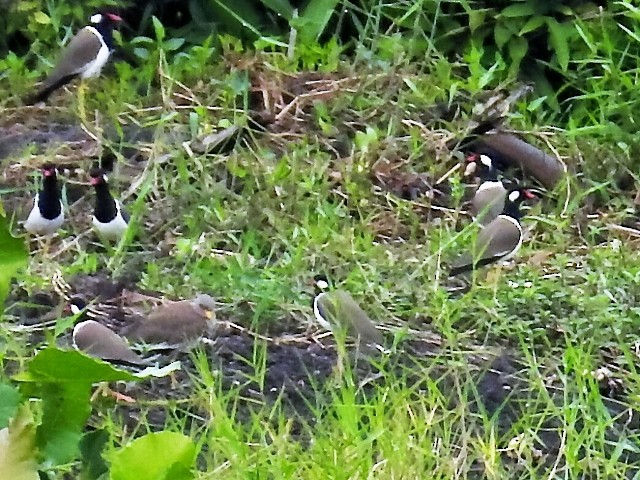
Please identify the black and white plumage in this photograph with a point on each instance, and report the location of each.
(47, 214)
(338, 312)
(498, 241)
(84, 56)
(109, 218)
(488, 199)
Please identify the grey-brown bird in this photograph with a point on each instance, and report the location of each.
(488, 199)
(499, 240)
(175, 324)
(84, 56)
(338, 312)
(99, 341)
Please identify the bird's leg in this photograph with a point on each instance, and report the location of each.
(104, 390)
(81, 104)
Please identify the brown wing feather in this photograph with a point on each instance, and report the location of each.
(487, 204)
(498, 238)
(172, 323)
(358, 322)
(81, 50)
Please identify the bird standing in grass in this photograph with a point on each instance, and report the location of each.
(338, 312)
(175, 324)
(498, 241)
(84, 56)
(99, 341)
(488, 199)
(109, 218)
(47, 214)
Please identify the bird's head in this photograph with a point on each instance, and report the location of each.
(520, 194)
(49, 170)
(75, 305)
(321, 283)
(480, 165)
(98, 18)
(205, 305)
(98, 176)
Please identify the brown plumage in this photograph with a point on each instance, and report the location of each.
(176, 323)
(337, 311)
(99, 341)
(498, 241)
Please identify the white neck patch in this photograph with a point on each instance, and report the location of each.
(515, 195)
(485, 160)
(96, 18)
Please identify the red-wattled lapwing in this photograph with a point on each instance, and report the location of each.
(176, 324)
(84, 56)
(488, 199)
(101, 342)
(47, 214)
(338, 312)
(499, 240)
(109, 218)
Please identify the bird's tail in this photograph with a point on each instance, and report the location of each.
(47, 89)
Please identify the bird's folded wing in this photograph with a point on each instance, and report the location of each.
(81, 50)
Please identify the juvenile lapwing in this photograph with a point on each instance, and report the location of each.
(47, 214)
(488, 199)
(176, 324)
(338, 312)
(84, 56)
(498, 241)
(109, 218)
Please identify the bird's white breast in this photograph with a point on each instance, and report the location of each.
(93, 68)
(515, 249)
(319, 317)
(114, 229)
(39, 225)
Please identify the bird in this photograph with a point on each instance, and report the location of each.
(175, 324)
(338, 312)
(109, 218)
(488, 199)
(101, 342)
(84, 56)
(499, 240)
(47, 214)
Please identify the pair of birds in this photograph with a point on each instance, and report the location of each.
(47, 214)
(496, 209)
(84, 56)
(168, 326)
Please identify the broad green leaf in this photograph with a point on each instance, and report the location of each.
(158, 28)
(17, 448)
(518, 47)
(313, 19)
(173, 457)
(173, 44)
(65, 409)
(55, 365)
(282, 7)
(524, 9)
(91, 448)
(502, 33)
(42, 18)
(13, 256)
(532, 24)
(558, 40)
(9, 401)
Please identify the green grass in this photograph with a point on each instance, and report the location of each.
(254, 226)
